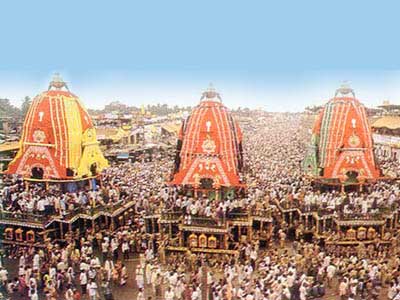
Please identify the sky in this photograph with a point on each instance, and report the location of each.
(276, 55)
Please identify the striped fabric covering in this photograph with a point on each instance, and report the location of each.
(58, 133)
(332, 130)
(210, 146)
(345, 140)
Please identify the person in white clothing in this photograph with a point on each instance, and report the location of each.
(169, 294)
(139, 277)
(140, 295)
(83, 282)
(93, 293)
(330, 272)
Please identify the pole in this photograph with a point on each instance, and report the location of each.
(61, 230)
(204, 286)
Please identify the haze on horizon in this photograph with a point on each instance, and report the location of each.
(278, 56)
(272, 93)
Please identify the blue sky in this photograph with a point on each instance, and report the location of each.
(278, 55)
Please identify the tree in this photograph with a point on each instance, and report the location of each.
(9, 110)
(25, 106)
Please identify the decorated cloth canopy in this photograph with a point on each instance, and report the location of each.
(341, 144)
(209, 150)
(58, 139)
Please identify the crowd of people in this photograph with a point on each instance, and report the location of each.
(97, 264)
(120, 183)
(90, 263)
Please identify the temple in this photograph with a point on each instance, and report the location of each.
(58, 140)
(341, 149)
(209, 149)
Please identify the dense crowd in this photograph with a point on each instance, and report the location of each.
(89, 263)
(94, 264)
(85, 266)
(120, 183)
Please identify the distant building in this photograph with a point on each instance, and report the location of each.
(386, 131)
(125, 135)
(9, 125)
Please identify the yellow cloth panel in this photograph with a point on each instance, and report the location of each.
(91, 154)
(74, 128)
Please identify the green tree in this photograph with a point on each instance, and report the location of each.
(25, 106)
(9, 110)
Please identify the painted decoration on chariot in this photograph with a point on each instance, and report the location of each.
(209, 150)
(58, 139)
(341, 144)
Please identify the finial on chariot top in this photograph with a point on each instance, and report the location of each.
(57, 83)
(344, 90)
(211, 94)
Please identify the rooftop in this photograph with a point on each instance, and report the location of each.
(390, 122)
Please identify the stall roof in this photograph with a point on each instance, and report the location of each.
(9, 146)
(390, 122)
(123, 155)
(114, 134)
(172, 128)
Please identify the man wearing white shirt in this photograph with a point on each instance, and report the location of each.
(114, 248)
(108, 267)
(303, 292)
(3, 275)
(83, 282)
(84, 266)
(41, 206)
(92, 287)
(249, 296)
(196, 294)
(104, 248)
(169, 294)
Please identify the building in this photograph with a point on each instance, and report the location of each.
(386, 131)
